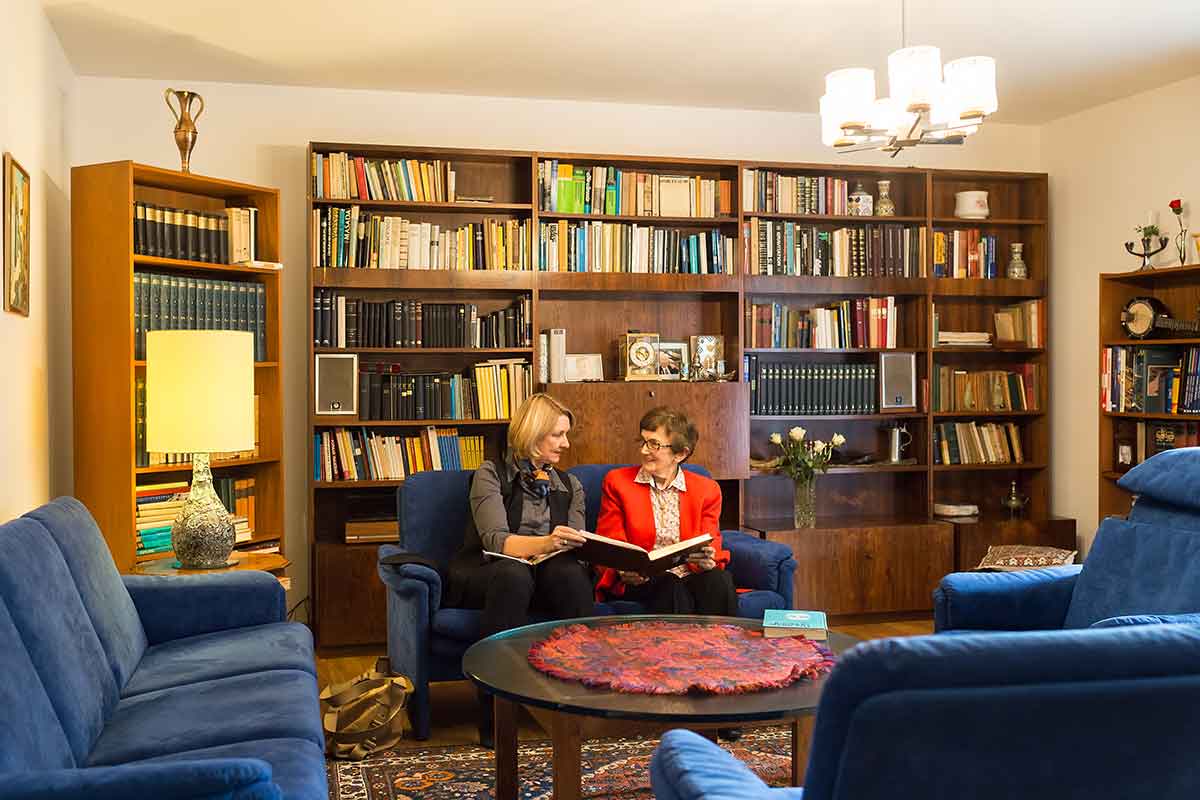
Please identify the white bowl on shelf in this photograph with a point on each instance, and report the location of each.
(971, 205)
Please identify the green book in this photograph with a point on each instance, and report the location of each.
(809, 624)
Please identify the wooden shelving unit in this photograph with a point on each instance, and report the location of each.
(103, 265)
(595, 307)
(1178, 288)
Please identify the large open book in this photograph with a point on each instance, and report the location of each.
(606, 552)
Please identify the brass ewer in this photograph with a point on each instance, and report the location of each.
(185, 123)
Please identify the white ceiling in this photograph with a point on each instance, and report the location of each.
(1054, 57)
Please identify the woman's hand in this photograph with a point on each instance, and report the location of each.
(563, 538)
(703, 558)
(632, 578)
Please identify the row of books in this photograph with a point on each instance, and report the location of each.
(349, 237)
(770, 192)
(222, 237)
(965, 253)
(1151, 380)
(987, 390)
(1136, 440)
(1021, 323)
(860, 322)
(350, 454)
(781, 247)
(178, 302)
(977, 443)
(577, 189)
(148, 458)
(158, 504)
(342, 321)
(622, 247)
(341, 176)
(490, 390)
(787, 388)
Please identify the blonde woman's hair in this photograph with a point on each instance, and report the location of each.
(534, 420)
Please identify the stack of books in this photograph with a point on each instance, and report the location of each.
(964, 339)
(157, 506)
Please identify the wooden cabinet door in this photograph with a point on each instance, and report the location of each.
(351, 599)
(607, 414)
(869, 570)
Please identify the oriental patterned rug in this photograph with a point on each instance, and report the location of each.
(613, 769)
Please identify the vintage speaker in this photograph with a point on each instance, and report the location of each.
(897, 382)
(337, 384)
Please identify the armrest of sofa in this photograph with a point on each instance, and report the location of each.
(686, 766)
(216, 778)
(189, 605)
(1028, 599)
(413, 582)
(953, 714)
(1148, 619)
(414, 596)
(758, 564)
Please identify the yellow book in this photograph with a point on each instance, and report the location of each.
(503, 396)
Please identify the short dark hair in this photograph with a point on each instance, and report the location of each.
(680, 430)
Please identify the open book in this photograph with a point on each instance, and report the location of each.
(606, 552)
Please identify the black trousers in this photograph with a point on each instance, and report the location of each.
(508, 591)
(710, 593)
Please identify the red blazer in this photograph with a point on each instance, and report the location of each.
(626, 513)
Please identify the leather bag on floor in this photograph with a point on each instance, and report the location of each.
(366, 715)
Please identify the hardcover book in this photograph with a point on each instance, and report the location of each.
(809, 624)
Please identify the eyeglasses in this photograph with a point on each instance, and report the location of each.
(653, 445)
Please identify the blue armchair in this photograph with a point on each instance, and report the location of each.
(985, 716)
(426, 641)
(1145, 568)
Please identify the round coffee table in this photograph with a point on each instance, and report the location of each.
(573, 712)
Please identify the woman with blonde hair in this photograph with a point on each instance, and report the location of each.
(523, 507)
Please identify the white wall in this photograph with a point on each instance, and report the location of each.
(1108, 167)
(259, 134)
(35, 351)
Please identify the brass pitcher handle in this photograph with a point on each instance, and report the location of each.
(201, 111)
(167, 97)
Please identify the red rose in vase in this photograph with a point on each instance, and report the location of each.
(1176, 207)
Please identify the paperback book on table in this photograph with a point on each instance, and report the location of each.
(809, 624)
(614, 553)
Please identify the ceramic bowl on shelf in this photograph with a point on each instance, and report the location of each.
(971, 205)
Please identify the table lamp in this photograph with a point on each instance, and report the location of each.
(200, 400)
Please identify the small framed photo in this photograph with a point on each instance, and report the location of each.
(673, 361)
(16, 237)
(582, 367)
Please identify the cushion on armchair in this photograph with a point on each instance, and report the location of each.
(1136, 568)
(1171, 477)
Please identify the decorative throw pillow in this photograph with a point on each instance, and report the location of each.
(1006, 557)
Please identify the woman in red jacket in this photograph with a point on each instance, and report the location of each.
(657, 504)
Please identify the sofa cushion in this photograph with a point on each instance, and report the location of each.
(1134, 568)
(1171, 477)
(104, 596)
(280, 704)
(31, 737)
(240, 651)
(49, 615)
(297, 765)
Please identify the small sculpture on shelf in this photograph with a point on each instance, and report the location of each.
(1147, 233)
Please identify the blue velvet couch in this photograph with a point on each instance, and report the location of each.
(426, 641)
(132, 686)
(1069, 683)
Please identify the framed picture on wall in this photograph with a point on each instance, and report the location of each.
(16, 237)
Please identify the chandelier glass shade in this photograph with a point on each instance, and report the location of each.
(928, 102)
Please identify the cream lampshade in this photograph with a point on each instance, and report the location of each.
(200, 400)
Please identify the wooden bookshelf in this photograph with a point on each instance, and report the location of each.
(595, 307)
(1178, 288)
(103, 265)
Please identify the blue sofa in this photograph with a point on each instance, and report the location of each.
(1071, 683)
(134, 686)
(426, 641)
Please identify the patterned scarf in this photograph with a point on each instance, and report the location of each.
(535, 479)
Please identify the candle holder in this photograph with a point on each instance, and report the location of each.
(1146, 251)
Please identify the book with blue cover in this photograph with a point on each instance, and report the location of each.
(809, 624)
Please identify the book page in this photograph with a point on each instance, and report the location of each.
(683, 545)
(595, 537)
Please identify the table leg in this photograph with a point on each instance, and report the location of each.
(504, 735)
(565, 734)
(802, 728)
